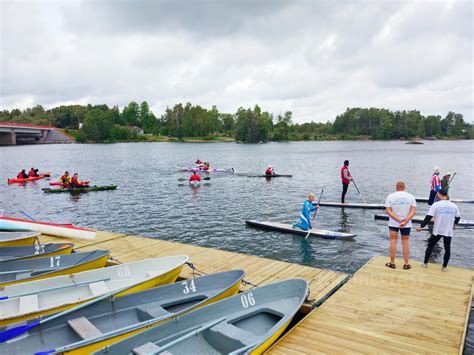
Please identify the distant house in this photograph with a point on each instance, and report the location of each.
(135, 129)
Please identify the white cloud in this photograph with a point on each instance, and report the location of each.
(313, 58)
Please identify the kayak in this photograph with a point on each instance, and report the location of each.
(108, 319)
(213, 170)
(42, 297)
(16, 271)
(375, 206)
(34, 251)
(33, 178)
(266, 176)
(55, 229)
(246, 323)
(287, 228)
(11, 239)
(58, 183)
(423, 199)
(75, 190)
(419, 219)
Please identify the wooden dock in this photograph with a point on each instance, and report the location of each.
(259, 271)
(381, 310)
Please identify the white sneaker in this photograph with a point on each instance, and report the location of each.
(424, 265)
(444, 269)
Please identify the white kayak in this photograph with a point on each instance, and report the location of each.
(419, 219)
(456, 200)
(375, 206)
(59, 230)
(288, 228)
(31, 299)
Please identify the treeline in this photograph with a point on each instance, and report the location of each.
(100, 123)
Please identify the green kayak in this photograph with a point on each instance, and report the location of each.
(80, 190)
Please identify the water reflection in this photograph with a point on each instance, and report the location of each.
(344, 221)
(306, 251)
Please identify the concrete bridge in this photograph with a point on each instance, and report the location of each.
(12, 133)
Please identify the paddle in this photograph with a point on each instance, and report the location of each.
(358, 191)
(314, 215)
(452, 177)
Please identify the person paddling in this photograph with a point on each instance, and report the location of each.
(75, 183)
(446, 215)
(198, 161)
(33, 172)
(346, 179)
(435, 186)
(206, 167)
(400, 207)
(22, 174)
(304, 222)
(65, 180)
(194, 177)
(269, 171)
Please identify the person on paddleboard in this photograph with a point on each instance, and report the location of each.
(435, 186)
(304, 222)
(346, 179)
(400, 207)
(269, 171)
(22, 174)
(75, 183)
(446, 215)
(194, 177)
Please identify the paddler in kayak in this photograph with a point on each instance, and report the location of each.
(33, 172)
(198, 162)
(194, 177)
(205, 167)
(269, 171)
(22, 174)
(435, 186)
(76, 184)
(346, 179)
(304, 222)
(65, 180)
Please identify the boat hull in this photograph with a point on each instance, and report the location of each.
(35, 251)
(13, 239)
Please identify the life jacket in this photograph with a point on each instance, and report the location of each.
(31, 173)
(269, 171)
(194, 177)
(199, 161)
(20, 175)
(435, 183)
(343, 178)
(65, 179)
(75, 182)
(205, 168)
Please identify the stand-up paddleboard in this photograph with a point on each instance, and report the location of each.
(455, 200)
(287, 228)
(374, 206)
(419, 219)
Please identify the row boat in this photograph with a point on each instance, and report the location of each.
(287, 228)
(29, 179)
(39, 298)
(419, 219)
(108, 319)
(246, 323)
(8, 239)
(16, 271)
(59, 230)
(79, 190)
(34, 251)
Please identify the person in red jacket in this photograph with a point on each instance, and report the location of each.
(269, 171)
(194, 177)
(346, 179)
(22, 175)
(75, 183)
(33, 172)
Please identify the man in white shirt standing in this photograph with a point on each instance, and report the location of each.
(446, 215)
(400, 207)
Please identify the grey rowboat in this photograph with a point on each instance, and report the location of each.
(34, 251)
(248, 322)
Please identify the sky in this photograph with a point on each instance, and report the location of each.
(314, 58)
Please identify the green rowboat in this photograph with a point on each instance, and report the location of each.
(81, 189)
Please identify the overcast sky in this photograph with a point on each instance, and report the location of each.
(315, 58)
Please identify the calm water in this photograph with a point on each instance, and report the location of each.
(150, 202)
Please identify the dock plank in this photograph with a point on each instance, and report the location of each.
(390, 311)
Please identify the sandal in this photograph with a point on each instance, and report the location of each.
(391, 266)
(406, 267)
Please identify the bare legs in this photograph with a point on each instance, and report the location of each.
(393, 247)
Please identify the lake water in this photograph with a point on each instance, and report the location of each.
(149, 201)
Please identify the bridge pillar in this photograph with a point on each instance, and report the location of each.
(7, 138)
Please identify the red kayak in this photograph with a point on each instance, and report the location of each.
(33, 178)
(57, 183)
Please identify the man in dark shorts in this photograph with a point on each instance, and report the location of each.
(400, 207)
(346, 179)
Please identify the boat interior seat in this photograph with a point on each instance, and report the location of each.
(23, 275)
(84, 328)
(147, 348)
(226, 337)
(28, 304)
(98, 288)
(150, 311)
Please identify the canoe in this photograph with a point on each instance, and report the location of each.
(108, 319)
(419, 219)
(39, 298)
(34, 251)
(455, 200)
(287, 228)
(33, 178)
(73, 190)
(58, 183)
(59, 230)
(247, 323)
(212, 170)
(375, 206)
(268, 176)
(10, 239)
(16, 271)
